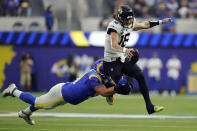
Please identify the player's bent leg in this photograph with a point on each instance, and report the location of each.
(52, 99)
(134, 71)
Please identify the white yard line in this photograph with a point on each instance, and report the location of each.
(87, 115)
(27, 129)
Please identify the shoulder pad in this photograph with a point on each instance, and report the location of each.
(115, 25)
(95, 77)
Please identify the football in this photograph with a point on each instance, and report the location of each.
(135, 56)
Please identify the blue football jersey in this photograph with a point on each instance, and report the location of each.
(81, 89)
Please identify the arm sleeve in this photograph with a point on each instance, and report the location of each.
(109, 30)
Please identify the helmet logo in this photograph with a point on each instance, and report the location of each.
(98, 68)
(120, 10)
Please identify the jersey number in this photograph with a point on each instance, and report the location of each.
(124, 38)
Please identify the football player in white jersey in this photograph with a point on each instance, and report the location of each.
(116, 63)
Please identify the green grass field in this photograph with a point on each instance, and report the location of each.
(133, 104)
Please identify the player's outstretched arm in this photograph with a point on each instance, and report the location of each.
(102, 90)
(150, 24)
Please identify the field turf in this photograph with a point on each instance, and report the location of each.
(133, 104)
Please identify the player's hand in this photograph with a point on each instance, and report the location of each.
(129, 52)
(166, 20)
(122, 81)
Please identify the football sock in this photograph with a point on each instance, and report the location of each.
(17, 93)
(29, 110)
(27, 97)
(32, 108)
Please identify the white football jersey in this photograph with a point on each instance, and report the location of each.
(109, 52)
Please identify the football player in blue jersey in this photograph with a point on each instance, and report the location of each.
(91, 84)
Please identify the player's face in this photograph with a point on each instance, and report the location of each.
(127, 21)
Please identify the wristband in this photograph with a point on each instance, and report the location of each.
(124, 50)
(154, 23)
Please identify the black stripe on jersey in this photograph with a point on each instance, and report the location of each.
(111, 30)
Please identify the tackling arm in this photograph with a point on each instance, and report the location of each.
(149, 24)
(110, 84)
(102, 90)
(122, 88)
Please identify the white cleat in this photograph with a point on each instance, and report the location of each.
(26, 117)
(9, 91)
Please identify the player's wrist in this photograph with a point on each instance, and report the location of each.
(124, 50)
(160, 22)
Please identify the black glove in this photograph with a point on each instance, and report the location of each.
(122, 87)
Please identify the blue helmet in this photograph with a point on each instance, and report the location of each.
(98, 66)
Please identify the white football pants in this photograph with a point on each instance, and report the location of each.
(51, 99)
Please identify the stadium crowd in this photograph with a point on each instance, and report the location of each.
(15, 8)
(80, 9)
(147, 9)
(159, 8)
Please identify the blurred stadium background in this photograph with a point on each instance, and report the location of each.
(60, 40)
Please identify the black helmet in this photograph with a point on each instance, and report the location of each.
(125, 12)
